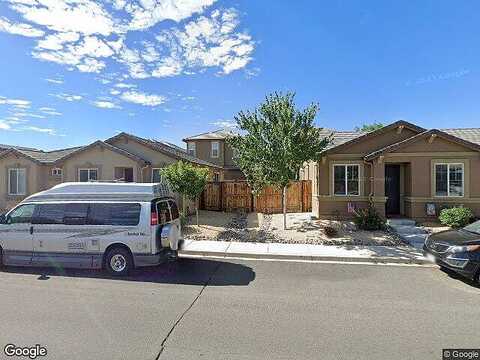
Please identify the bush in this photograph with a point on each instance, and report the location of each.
(368, 219)
(330, 231)
(456, 217)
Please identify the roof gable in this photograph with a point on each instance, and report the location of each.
(220, 134)
(366, 142)
(172, 151)
(107, 146)
(428, 137)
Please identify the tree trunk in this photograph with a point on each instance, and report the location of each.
(284, 206)
(184, 205)
(196, 209)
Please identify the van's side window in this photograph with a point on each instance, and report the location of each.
(21, 215)
(173, 209)
(163, 211)
(49, 214)
(75, 214)
(125, 214)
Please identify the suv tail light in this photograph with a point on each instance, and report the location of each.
(154, 219)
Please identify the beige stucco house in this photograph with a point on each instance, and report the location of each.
(213, 147)
(403, 169)
(124, 157)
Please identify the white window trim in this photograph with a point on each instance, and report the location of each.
(89, 169)
(448, 164)
(218, 149)
(9, 187)
(153, 170)
(57, 169)
(123, 168)
(191, 146)
(346, 180)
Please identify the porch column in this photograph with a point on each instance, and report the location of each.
(379, 185)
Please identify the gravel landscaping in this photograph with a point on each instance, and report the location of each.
(266, 228)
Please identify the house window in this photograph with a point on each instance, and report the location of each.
(124, 174)
(157, 175)
(57, 172)
(85, 175)
(346, 180)
(216, 177)
(192, 148)
(215, 149)
(449, 180)
(17, 181)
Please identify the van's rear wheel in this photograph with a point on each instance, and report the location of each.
(118, 262)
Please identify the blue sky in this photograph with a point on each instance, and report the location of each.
(73, 71)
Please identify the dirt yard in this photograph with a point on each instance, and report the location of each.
(262, 228)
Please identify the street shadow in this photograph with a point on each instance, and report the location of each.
(455, 276)
(184, 271)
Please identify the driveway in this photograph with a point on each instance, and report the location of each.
(218, 309)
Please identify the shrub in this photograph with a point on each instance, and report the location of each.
(368, 219)
(456, 217)
(330, 231)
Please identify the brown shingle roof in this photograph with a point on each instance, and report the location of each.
(212, 135)
(469, 134)
(173, 151)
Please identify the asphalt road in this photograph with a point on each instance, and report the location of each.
(219, 309)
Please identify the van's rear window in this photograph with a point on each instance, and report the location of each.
(127, 214)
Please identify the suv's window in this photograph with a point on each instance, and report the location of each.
(75, 214)
(125, 214)
(49, 214)
(173, 209)
(21, 215)
(163, 211)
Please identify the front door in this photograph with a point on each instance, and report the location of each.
(392, 189)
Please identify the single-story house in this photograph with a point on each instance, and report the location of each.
(403, 169)
(124, 157)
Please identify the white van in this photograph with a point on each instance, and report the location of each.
(117, 226)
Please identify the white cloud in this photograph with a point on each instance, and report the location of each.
(48, 131)
(115, 92)
(14, 102)
(54, 81)
(68, 97)
(81, 16)
(19, 29)
(225, 124)
(125, 86)
(90, 36)
(50, 111)
(106, 104)
(149, 12)
(143, 98)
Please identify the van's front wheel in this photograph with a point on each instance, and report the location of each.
(118, 262)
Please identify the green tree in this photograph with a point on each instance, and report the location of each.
(275, 140)
(188, 180)
(369, 127)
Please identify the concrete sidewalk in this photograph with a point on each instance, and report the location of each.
(371, 254)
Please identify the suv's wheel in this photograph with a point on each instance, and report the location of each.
(118, 261)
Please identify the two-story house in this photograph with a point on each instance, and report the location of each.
(213, 147)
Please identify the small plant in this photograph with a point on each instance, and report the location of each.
(330, 231)
(368, 219)
(456, 217)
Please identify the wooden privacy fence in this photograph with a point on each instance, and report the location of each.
(237, 196)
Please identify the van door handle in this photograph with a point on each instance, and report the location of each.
(31, 230)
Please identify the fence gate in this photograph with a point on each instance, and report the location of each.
(212, 196)
(237, 196)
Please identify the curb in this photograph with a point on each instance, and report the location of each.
(374, 260)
